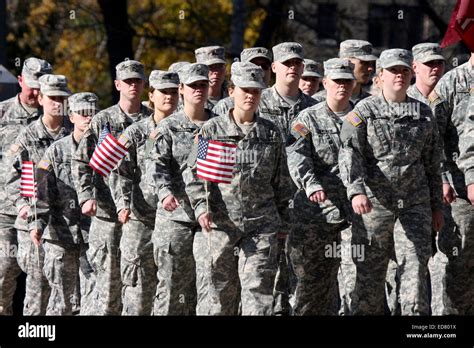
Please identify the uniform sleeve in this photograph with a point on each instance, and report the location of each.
(466, 145)
(82, 173)
(352, 161)
(282, 187)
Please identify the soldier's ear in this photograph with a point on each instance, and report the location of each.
(117, 85)
(274, 67)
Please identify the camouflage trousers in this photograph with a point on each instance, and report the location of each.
(281, 304)
(452, 267)
(314, 251)
(86, 283)
(173, 252)
(408, 231)
(31, 261)
(137, 267)
(225, 258)
(104, 256)
(61, 268)
(9, 269)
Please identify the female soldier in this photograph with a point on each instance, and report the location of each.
(136, 204)
(247, 212)
(391, 167)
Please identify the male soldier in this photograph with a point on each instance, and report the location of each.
(15, 112)
(60, 225)
(30, 145)
(94, 193)
(359, 52)
(452, 264)
(257, 55)
(214, 58)
(311, 77)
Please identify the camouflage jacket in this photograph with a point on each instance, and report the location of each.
(354, 99)
(415, 93)
(223, 106)
(466, 158)
(390, 152)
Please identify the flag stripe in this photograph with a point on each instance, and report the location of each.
(107, 153)
(210, 164)
(214, 178)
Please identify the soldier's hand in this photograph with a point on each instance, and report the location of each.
(437, 220)
(318, 196)
(35, 236)
(470, 193)
(24, 211)
(170, 203)
(361, 204)
(449, 195)
(205, 221)
(89, 208)
(124, 216)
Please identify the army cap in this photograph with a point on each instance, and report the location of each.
(359, 49)
(176, 66)
(193, 72)
(311, 68)
(339, 68)
(210, 55)
(84, 103)
(255, 52)
(426, 52)
(160, 79)
(394, 57)
(33, 68)
(130, 69)
(247, 75)
(54, 85)
(286, 51)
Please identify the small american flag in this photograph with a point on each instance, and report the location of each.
(215, 160)
(108, 153)
(27, 179)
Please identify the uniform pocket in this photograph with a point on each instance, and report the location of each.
(53, 268)
(97, 256)
(129, 268)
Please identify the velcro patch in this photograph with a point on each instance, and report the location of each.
(123, 140)
(354, 119)
(14, 148)
(154, 133)
(301, 129)
(44, 164)
(433, 96)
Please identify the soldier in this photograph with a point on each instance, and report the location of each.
(135, 201)
(175, 224)
(257, 55)
(320, 204)
(390, 164)
(93, 190)
(238, 242)
(30, 145)
(15, 113)
(359, 52)
(214, 58)
(60, 225)
(452, 264)
(311, 77)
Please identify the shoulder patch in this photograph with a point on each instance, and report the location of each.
(44, 164)
(14, 148)
(154, 133)
(433, 96)
(123, 140)
(301, 129)
(354, 119)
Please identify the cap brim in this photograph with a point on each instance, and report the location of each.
(31, 83)
(395, 63)
(367, 58)
(250, 84)
(193, 79)
(431, 58)
(132, 76)
(215, 61)
(258, 56)
(57, 93)
(313, 74)
(340, 76)
(290, 56)
(165, 85)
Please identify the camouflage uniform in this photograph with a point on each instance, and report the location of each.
(247, 213)
(105, 231)
(173, 235)
(313, 163)
(13, 116)
(391, 155)
(31, 145)
(453, 263)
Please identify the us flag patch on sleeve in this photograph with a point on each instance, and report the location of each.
(43, 164)
(354, 119)
(301, 129)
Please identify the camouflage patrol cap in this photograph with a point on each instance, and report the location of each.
(359, 49)
(426, 52)
(193, 72)
(394, 57)
(311, 68)
(247, 75)
(339, 68)
(286, 51)
(54, 85)
(130, 69)
(33, 68)
(255, 52)
(210, 55)
(160, 79)
(176, 66)
(84, 103)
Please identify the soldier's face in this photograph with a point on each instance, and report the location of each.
(288, 71)
(396, 78)
(309, 85)
(339, 89)
(247, 99)
(81, 123)
(53, 105)
(216, 74)
(429, 73)
(130, 88)
(28, 95)
(165, 100)
(266, 66)
(195, 93)
(362, 70)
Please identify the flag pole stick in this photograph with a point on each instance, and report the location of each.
(207, 210)
(36, 215)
